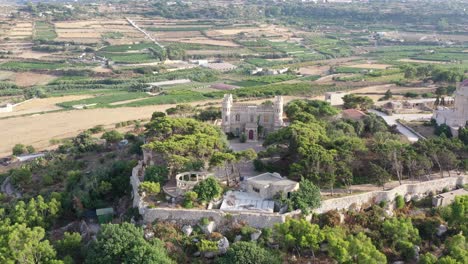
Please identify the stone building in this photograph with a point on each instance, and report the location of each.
(255, 121)
(267, 185)
(335, 98)
(457, 116)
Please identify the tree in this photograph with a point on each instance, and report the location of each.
(388, 95)
(463, 135)
(190, 197)
(150, 188)
(209, 114)
(84, 142)
(19, 149)
(30, 149)
(112, 136)
(399, 202)
(410, 71)
(298, 235)
(124, 243)
(208, 189)
(309, 110)
(156, 173)
(457, 248)
(157, 115)
(380, 175)
(427, 258)
(21, 244)
(70, 245)
(363, 251)
(307, 197)
(352, 101)
(247, 253)
(225, 160)
(400, 229)
(21, 176)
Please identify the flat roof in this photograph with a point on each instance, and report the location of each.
(453, 193)
(104, 211)
(270, 179)
(243, 201)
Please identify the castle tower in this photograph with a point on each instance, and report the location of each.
(278, 114)
(226, 113)
(461, 103)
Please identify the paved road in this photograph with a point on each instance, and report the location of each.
(392, 120)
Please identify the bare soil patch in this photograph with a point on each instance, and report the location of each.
(38, 129)
(26, 79)
(42, 105)
(29, 54)
(314, 70)
(207, 41)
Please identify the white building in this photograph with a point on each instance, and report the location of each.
(268, 185)
(335, 98)
(456, 117)
(249, 118)
(6, 109)
(259, 193)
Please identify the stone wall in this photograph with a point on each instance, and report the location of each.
(193, 216)
(261, 220)
(417, 189)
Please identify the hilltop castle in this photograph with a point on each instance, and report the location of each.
(457, 117)
(255, 121)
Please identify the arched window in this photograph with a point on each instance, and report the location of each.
(237, 117)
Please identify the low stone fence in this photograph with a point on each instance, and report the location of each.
(416, 189)
(193, 216)
(261, 220)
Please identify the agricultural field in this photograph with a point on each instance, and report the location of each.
(92, 60)
(44, 31)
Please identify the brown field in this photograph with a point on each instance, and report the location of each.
(314, 70)
(371, 66)
(91, 31)
(25, 79)
(29, 54)
(203, 40)
(175, 35)
(38, 129)
(41, 105)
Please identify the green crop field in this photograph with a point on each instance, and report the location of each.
(44, 30)
(130, 47)
(106, 100)
(129, 57)
(36, 65)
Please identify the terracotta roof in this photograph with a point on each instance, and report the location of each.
(353, 114)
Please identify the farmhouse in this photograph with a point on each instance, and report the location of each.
(259, 193)
(458, 116)
(268, 185)
(335, 98)
(252, 120)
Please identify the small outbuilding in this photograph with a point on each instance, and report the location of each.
(267, 185)
(447, 198)
(105, 215)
